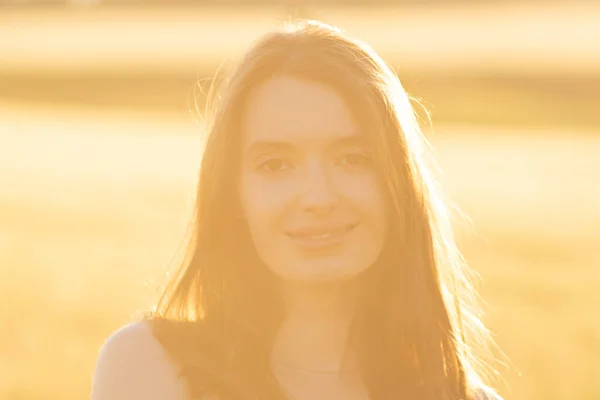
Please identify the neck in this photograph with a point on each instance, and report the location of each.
(314, 333)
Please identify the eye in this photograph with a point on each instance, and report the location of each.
(274, 165)
(354, 159)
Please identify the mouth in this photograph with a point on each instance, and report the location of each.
(320, 238)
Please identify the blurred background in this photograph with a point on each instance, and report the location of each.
(99, 151)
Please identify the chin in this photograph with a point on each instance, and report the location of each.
(323, 271)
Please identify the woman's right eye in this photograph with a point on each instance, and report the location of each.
(274, 165)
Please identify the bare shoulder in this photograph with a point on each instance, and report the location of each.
(132, 365)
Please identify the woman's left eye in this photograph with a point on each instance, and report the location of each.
(354, 159)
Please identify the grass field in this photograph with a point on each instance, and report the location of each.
(94, 207)
(98, 161)
(488, 64)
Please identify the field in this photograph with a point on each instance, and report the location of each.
(98, 168)
(95, 212)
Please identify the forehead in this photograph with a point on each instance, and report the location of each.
(292, 109)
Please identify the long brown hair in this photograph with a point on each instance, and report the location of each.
(416, 324)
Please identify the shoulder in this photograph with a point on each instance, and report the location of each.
(132, 364)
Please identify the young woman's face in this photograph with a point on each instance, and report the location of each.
(312, 200)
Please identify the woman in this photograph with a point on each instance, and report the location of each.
(322, 263)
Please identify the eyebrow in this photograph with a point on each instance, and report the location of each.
(280, 145)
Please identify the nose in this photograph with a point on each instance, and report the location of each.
(320, 195)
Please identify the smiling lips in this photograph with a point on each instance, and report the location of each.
(315, 238)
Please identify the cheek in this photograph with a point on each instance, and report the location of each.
(367, 194)
(368, 197)
(264, 203)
